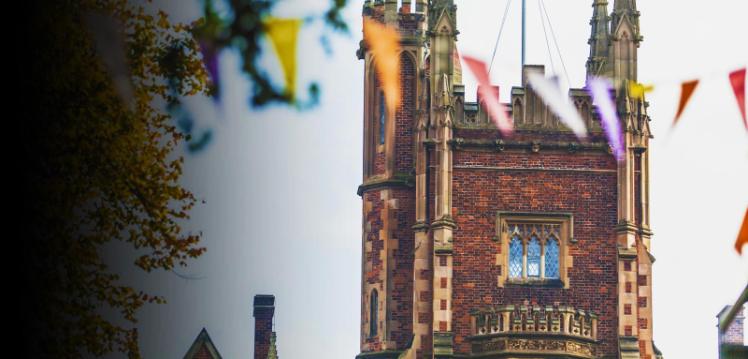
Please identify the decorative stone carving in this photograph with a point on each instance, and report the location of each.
(534, 329)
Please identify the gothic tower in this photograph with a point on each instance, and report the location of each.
(476, 245)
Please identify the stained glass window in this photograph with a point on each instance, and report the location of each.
(515, 258)
(551, 258)
(533, 257)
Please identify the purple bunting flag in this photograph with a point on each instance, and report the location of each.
(601, 89)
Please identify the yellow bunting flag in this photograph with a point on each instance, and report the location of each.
(637, 90)
(384, 43)
(743, 234)
(687, 89)
(737, 80)
(283, 33)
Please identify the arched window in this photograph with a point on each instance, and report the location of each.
(533, 258)
(515, 257)
(519, 117)
(373, 313)
(382, 117)
(551, 258)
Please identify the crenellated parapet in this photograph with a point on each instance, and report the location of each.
(527, 110)
(524, 319)
(535, 330)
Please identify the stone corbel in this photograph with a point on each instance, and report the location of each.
(499, 145)
(457, 143)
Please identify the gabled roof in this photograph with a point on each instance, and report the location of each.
(202, 347)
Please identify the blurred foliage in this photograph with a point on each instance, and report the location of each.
(101, 173)
(241, 28)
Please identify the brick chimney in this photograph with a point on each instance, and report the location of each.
(264, 308)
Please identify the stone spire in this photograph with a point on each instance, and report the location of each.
(443, 7)
(625, 39)
(625, 9)
(599, 38)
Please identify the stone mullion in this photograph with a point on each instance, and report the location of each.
(543, 243)
(524, 257)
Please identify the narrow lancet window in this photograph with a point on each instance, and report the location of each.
(382, 117)
(373, 313)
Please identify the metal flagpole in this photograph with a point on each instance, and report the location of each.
(524, 18)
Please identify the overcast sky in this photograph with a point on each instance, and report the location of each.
(282, 216)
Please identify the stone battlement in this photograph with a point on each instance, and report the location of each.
(535, 319)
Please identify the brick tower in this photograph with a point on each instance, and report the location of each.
(475, 245)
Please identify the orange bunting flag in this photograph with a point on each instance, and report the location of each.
(687, 89)
(637, 90)
(737, 80)
(283, 33)
(489, 96)
(384, 43)
(742, 235)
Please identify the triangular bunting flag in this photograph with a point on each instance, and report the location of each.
(496, 111)
(743, 234)
(637, 90)
(687, 89)
(384, 43)
(551, 94)
(737, 80)
(283, 33)
(600, 89)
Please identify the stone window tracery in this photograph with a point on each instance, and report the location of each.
(534, 248)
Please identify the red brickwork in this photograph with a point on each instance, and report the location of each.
(401, 297)
(405, 116)
(478, 194)
(400, 269)
(373, 264)
(204, 353)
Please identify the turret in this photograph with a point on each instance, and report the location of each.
(599, 38)
(387, 192)
(625, 40)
